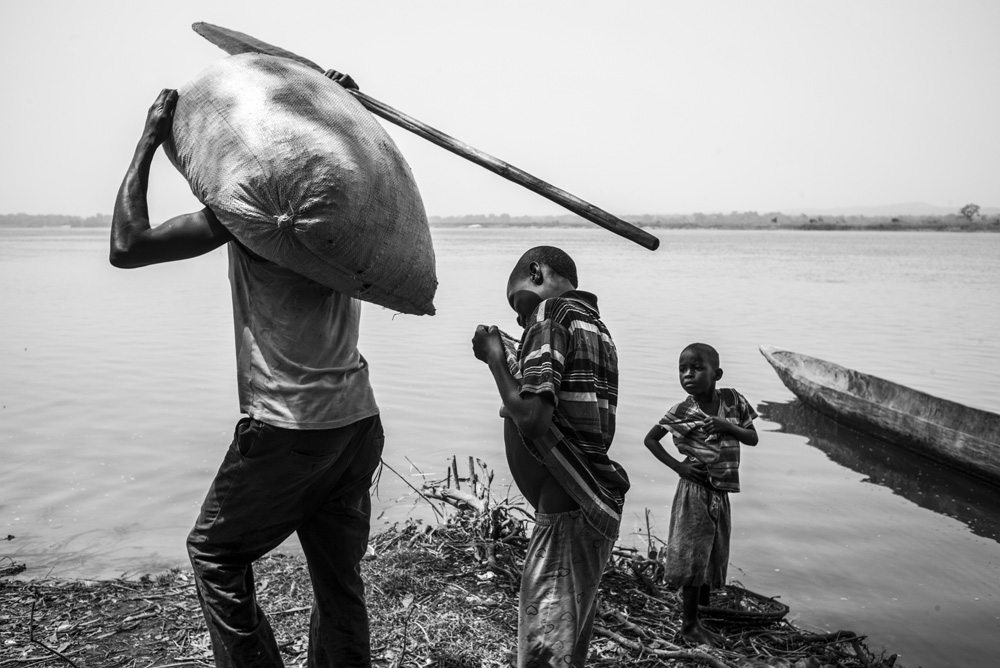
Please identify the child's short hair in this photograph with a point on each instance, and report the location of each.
(709, 353)
(555, 258)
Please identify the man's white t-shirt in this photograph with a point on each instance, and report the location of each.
(298, 364)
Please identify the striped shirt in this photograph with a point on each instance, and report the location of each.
(721, 453)
(567, 353)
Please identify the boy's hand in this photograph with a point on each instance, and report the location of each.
(716, 425)
(344, 80)
(694, 471)
(486, 344)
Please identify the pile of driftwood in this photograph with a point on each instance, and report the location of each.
(441, 593)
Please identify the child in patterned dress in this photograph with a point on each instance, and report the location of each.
(707, 428)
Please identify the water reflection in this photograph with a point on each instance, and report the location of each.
(922, 481)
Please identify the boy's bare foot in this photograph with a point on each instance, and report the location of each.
(699, 635)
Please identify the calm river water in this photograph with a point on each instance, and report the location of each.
(117, 402)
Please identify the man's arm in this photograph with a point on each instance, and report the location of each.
(133, 242)
(531, 413)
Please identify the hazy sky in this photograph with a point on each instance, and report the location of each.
(637, 107)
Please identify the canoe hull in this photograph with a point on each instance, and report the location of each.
(965, 438)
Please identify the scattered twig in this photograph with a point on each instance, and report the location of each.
(473, 478)
(411, 607)
(429, 502)
(835, 636)
(290, 611)
(863, 655)
(135, 618)
(649, 537)
(454, 468)
(643, 579)
(456, 497)
(31, 636)
(14, 567)
(694, 655)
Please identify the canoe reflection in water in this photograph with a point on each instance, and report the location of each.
(917, 479)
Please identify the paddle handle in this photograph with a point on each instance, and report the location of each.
(509, 172)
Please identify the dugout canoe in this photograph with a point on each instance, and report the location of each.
(967, 439)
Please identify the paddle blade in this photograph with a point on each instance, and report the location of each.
(233, 42)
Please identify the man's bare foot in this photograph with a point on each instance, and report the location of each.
(696, 633)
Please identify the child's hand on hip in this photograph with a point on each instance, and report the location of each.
(694, 471)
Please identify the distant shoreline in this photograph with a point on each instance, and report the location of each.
(697, 221)
(820, 227)
(747, 220)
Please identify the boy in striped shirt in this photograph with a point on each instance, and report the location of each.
(707, 428)
(559, 389)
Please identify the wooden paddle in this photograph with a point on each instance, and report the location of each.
(233, 42)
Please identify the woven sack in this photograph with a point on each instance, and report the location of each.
(302, 175)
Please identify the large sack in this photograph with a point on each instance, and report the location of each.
(305, 177)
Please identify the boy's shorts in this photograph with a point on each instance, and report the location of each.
(698, 544)
(563, 566)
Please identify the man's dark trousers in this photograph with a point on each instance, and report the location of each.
(273, 482)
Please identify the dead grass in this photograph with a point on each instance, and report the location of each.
(440, 595)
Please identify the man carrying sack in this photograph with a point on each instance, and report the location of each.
(302, 458)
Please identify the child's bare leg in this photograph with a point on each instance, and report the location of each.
(691, 628)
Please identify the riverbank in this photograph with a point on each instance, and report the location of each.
(440, 594)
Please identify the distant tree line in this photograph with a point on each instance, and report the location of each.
(964, 220)
(969, 218)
